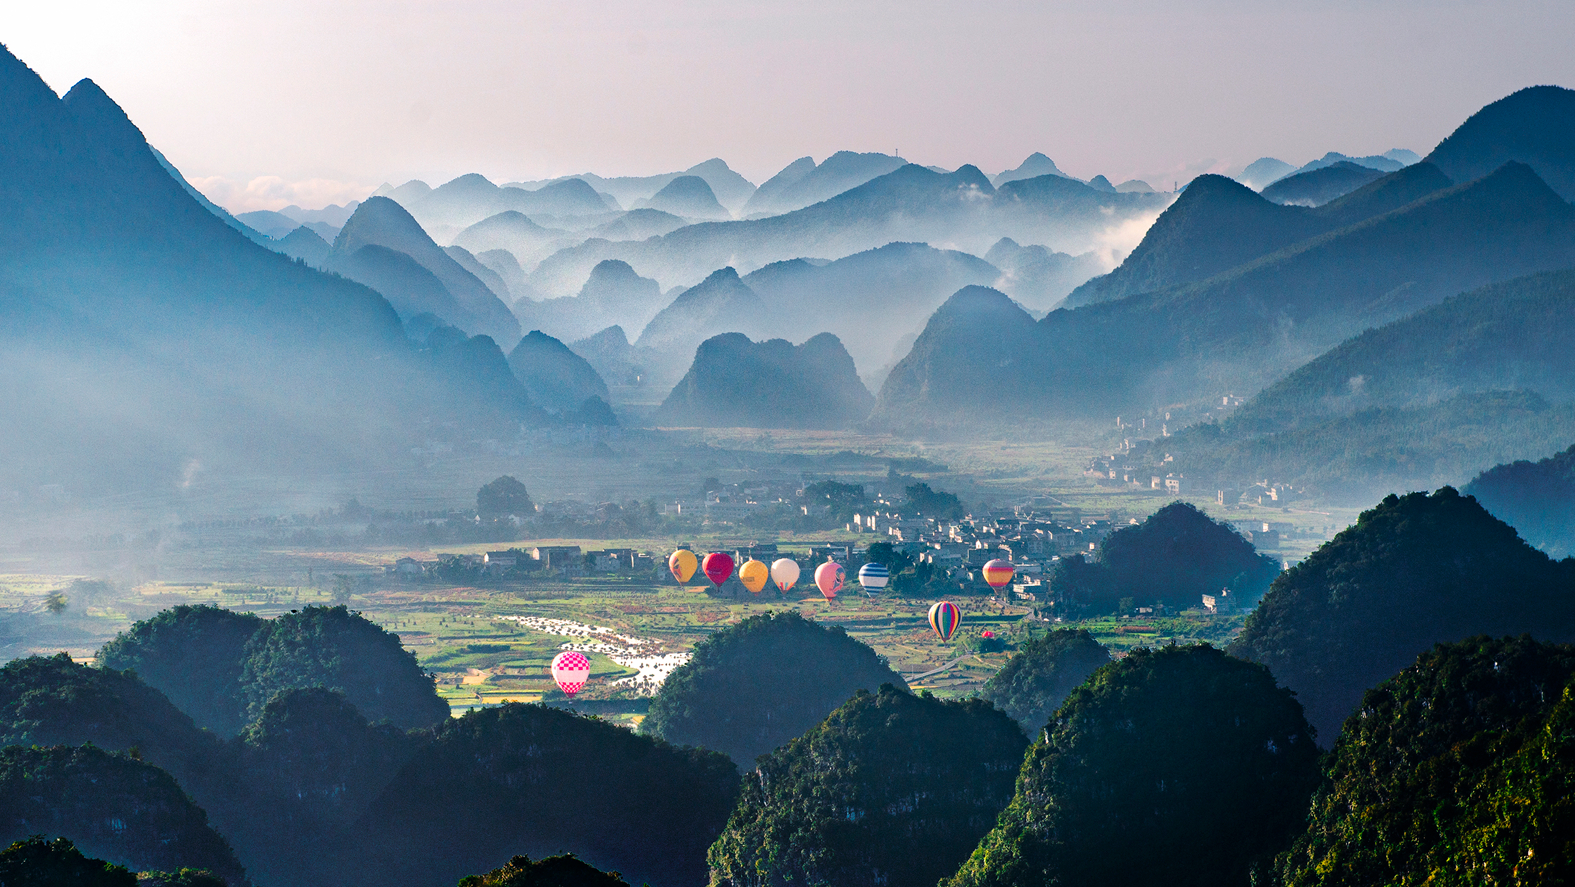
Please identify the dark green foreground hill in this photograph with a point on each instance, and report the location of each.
(1457, 772)
(1180, 766)
(754, 686)
(1415, 571)
(892, 789)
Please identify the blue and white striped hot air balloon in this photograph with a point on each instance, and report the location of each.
(873, 577)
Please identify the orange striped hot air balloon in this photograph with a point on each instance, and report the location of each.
(998, 573)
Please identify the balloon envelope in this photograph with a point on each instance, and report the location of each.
(829, 578)
(570, 669)
(682, 563)
(784, 572)
(998, 573)
(874, 576)
(754, 575)
(717, 566)
(944, 618)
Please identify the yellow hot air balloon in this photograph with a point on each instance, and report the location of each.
(754, 575)
(683, 564)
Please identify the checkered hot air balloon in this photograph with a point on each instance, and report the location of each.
(570, 669)
(873, 577)
(944, 618)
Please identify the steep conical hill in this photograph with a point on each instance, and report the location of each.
(773, 384)
(555, 377)
(1319, 186)
(1535, 126)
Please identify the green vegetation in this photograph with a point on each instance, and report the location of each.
(1456, 772)
(753, 686)
(194, 656)
(111, 806)
(504, 497)
(1173, 558)
(1415, 571)
(34, 862)
(554, 871)
(1536, 498)
(890, 789)
(932, 503)
(537, 780)
(1037, 679)
(1180, 766)
(334, 648)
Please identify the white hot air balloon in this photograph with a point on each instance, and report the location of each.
(784, 572)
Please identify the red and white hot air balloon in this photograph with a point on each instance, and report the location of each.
(570, 669)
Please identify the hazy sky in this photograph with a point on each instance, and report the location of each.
(321, 100)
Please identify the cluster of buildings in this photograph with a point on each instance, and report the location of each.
(566, 561)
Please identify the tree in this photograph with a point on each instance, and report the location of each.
(110, 806)
(56, 602)
(753, 686)
(334, 648)
(887, 554)
(504, 497)
(890, 789)
(537, 780)
(933, 503)
(35, 862)
(1415, 571)
(194, 656)
(1458, 771)
(1174, 557)
(1179, 766)
(1037, 679)
(555, 871)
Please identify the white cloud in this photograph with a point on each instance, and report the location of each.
(275, 193)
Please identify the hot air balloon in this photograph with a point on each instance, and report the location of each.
(682, 564)
(873, 577)
(718, 567)
(570, 669)
(944, 618)
(754, 575)
(998, 573)
(784, 572)
(829, 578)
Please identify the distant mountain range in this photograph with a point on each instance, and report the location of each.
(772, 384)
(1319, 186)
(730, 188)
(1228, 292)
(687, 197)
(805, 183)
(910, 204)
(148, 344)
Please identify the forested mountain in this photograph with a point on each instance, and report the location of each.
(1319, 186)
(536, 780)
(1216, 224)
(1173, 558)
(1178, 766)
(1431, 399)
(194, 656)
(1415, 571)
(1456, 770)
(1237, 330)
(556, 378)
(720, 303)
(112, 807)
(380, 222)
(753, 686)
(1535, 126)
(1536, 498)
(1040, 675)
(960, 209)
(614, 295)
(772, 384)
(891, 789)
(145, 338)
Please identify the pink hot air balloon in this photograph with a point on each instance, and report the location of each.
(829, 578)
(570, 669)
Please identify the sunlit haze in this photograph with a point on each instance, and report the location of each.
(264, 104)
